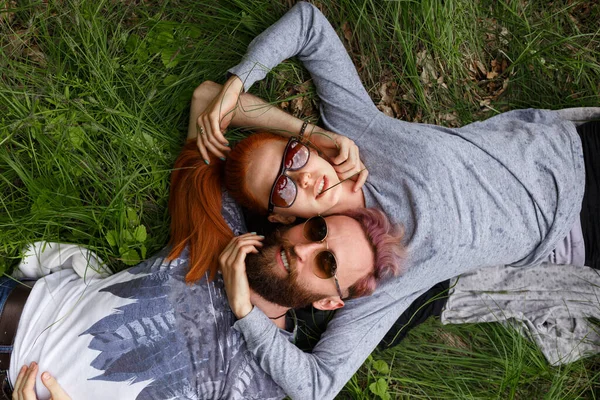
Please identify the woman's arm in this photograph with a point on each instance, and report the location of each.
(253, 112)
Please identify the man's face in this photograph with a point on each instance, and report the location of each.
(283, 270)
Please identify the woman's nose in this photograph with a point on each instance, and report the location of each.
(303, 179)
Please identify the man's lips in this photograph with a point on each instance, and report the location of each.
(280, 259)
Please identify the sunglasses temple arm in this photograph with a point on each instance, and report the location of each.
(342, 181)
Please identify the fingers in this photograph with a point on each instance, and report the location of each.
(206, 140)
(233, 267)
(201, 146)
(362, 178)
(56, 391)
(25, 383)
(351, 164)
(344, 150)
(231, 250)
(19, 383)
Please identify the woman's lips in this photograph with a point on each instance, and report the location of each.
(325, 185)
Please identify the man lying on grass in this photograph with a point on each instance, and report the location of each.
(144, 333)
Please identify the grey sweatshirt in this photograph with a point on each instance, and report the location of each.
(502, 191)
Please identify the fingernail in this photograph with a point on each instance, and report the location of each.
(261, 236)
(33, 365)
(254, 233)
(206, 161)
(45, 376)
(222, 158)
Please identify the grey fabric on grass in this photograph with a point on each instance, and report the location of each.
(548, 303)
(501, 191)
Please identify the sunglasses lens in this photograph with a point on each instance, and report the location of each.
(296, 156)
(326, 265)
(284, 192)
(315, 229)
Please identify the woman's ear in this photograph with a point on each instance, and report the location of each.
(281, 219)
(329, 303)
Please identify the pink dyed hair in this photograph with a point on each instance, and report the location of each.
(386, 242)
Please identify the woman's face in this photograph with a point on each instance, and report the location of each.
(311, 181)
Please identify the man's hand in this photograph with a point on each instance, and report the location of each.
(343, 154)
(26, 381)
(233, 267)
(215, 119)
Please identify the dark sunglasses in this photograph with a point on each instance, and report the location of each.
(325, 267)
(284, 190)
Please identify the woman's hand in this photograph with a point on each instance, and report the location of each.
(26, 381)
(233, 267)
(343, 153)
(215, 119)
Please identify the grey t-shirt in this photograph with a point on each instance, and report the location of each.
(501, 191)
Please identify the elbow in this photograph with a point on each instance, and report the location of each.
(205, 92)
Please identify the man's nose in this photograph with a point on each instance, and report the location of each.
(305, 251)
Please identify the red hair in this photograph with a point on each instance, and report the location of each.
(195, 202)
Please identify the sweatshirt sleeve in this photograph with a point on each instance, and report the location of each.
(304, 32)
(350, 337)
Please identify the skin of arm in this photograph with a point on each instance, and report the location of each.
(214, 107)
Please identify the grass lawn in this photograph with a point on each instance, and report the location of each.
(94, 100)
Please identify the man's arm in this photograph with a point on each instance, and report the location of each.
(350, 337)
(304, 32)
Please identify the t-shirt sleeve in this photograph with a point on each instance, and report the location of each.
(350, 337)
(304, 32)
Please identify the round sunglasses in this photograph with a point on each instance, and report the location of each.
(284, 189)
(325, 267)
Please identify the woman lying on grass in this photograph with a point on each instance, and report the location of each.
(508, 190)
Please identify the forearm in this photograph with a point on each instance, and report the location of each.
(304, 32)
(252, 112)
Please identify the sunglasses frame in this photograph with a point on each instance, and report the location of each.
(283, 170)
(334, 276)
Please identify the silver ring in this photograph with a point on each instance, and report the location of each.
(201, 131)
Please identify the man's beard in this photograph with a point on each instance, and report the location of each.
(262, 278)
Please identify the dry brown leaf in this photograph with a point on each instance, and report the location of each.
(428, 73)
(384, 92)
(304, 87)
(480, 67)
(491, 75)
(297, 105)
(34, 54)
(387, 110)
(347, 31)
(449, 119)
(452, 340)
(5, 15)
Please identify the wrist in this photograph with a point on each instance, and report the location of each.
(243, 310)
(319, 136)
(235, 83)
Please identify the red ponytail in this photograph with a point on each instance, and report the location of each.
(195, 208)
(195, 202)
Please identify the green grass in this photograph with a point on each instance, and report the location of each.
(93, 109)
